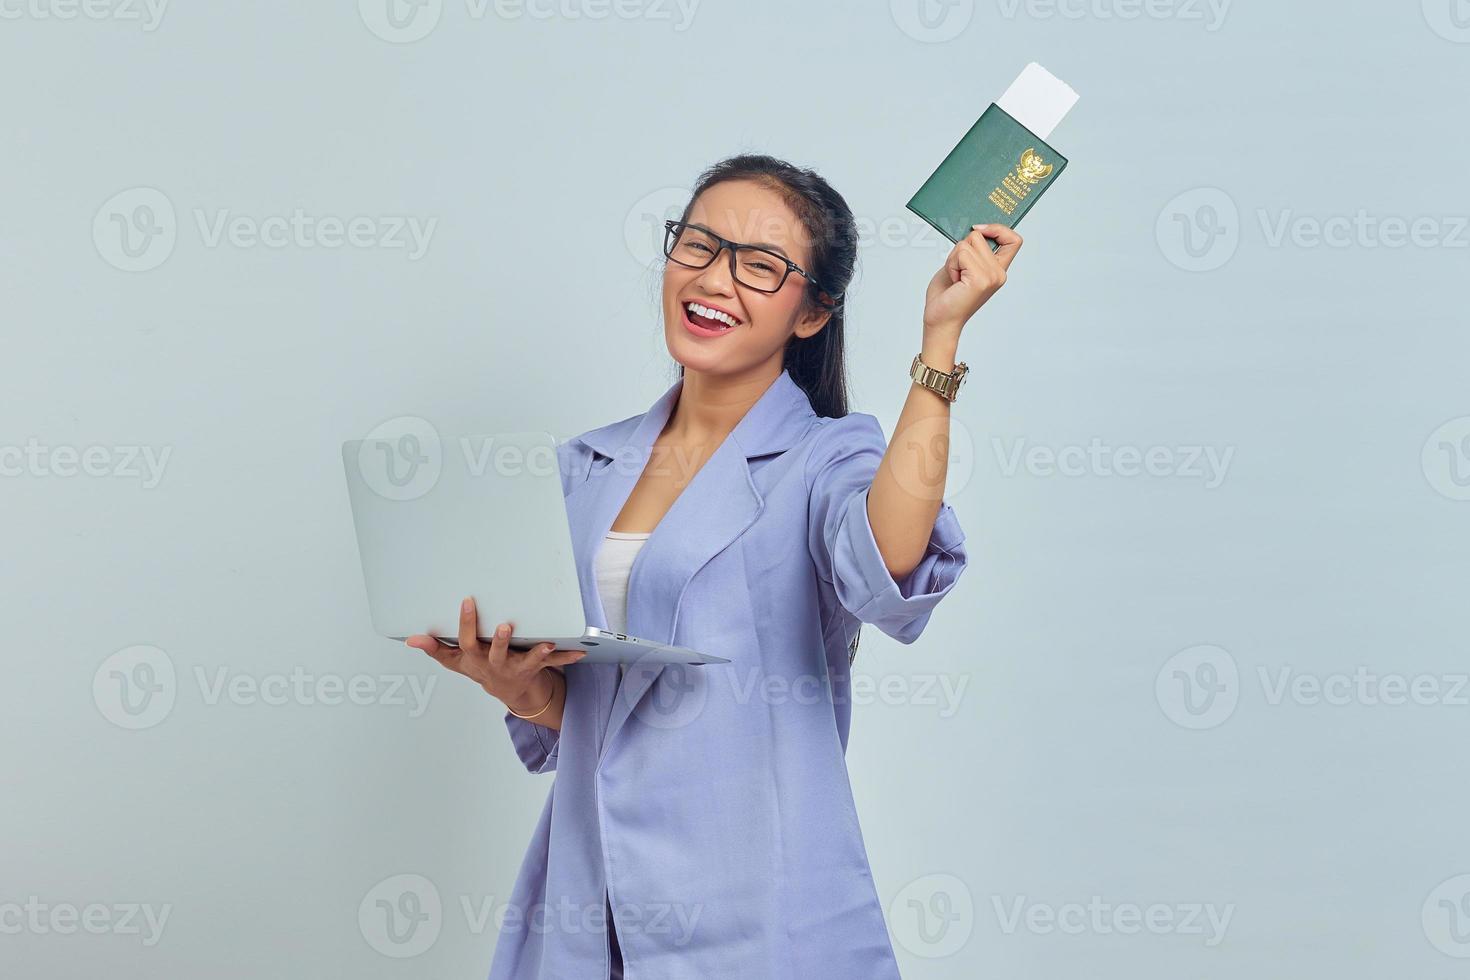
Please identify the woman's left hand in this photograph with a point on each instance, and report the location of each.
(969, 277)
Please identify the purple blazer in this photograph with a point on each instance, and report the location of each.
(711, 805)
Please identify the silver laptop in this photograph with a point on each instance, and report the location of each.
(441, 519)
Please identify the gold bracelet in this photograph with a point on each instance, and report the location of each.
(547, 705)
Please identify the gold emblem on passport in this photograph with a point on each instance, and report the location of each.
(1032, 169)
(1016, 187)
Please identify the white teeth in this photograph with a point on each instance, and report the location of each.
(705, 311)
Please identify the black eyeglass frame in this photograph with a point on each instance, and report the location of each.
(734, 247)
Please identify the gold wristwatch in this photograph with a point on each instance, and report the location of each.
(947, 385)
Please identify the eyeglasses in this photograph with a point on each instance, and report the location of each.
(758, 268)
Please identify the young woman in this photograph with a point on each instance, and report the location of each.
(701, 823)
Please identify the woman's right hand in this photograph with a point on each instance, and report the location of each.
(509, 675)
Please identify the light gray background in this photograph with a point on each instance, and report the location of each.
(1075, 769)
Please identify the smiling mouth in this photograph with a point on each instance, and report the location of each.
(709, 319)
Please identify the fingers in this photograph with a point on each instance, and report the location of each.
(469, 632)
(961, 257)
(499, 646)
(989, 271)
(494, 655)
(445, 654)
(547, 655)
(1009, 241)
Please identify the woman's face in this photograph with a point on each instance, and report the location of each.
(742, 211)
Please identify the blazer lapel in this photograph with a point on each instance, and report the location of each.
(709, 514)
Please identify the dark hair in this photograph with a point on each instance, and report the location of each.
(818, 364)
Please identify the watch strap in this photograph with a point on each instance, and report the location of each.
(946, 385)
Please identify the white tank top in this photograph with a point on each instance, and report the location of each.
(614, 562)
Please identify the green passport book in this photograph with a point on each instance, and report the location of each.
(1003, 165)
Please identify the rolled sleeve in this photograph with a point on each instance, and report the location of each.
(536, 744)
(844, 548)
